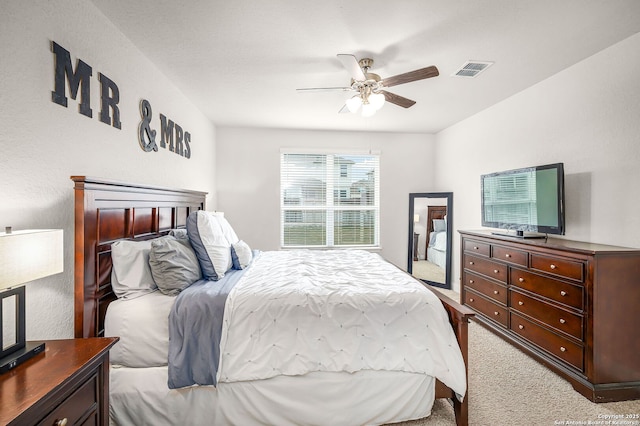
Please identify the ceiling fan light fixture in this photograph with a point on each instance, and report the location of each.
(377, 100)
(354, 103)
(371, 88)
(368, 110)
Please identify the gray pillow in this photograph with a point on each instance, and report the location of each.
(174, 265)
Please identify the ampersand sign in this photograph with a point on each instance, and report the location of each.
(148, 143)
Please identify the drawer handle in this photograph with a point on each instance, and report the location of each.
(496, 313)
(562, 321)
(471, 263)
(495, 292)
(563, 349)
(552, 266)
(471, 281)
(521, 303)
(563, 293)
(495, 271)
(521, 327)
(476, 248)
(61, 422)
(471, 299)
(521, 279)
(507, 255)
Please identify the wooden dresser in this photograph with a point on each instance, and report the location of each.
(67, 385)
(573, 306)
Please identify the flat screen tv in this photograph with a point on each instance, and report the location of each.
(525, 200)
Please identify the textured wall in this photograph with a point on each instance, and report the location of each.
(43, 143)
(249, 190)
(586, 117)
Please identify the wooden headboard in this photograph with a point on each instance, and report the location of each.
(106, 211)
(434, 212)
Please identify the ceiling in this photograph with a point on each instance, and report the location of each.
(240, 62)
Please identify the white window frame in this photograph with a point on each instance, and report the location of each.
(330, 208)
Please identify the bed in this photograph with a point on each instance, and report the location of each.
(110, 211)
(437, 235)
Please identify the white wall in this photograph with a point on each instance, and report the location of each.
(42, 143)
(248, 179)
(588, 117)
(585, 116)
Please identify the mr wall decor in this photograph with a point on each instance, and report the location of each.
(172, 135)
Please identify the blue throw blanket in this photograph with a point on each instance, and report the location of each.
(195, 329)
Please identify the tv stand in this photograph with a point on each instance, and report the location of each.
(520, 234)
(571, 305)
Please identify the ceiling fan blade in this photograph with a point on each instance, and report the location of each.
(397, 99)
(410, 76)
(351, 64)
(325, 89)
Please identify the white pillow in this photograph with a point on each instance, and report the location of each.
(227, 230)
(211, 246)
(241, 255)
(439, 225)
(131, 275)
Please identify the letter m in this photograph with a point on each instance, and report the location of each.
(77, 79)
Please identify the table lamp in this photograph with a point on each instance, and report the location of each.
(25, 256)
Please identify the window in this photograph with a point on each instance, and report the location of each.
(329, 200)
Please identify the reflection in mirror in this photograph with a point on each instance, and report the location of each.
(9, 335)
(430, 229)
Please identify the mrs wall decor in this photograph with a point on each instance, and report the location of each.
(147, 136)
(172, 136)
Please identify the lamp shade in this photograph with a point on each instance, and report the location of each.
(416, 218)
(368, 110)
(354, 103)
(30, 254)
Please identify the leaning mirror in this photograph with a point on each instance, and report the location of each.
(430, 229)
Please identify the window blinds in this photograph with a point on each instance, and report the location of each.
(329, 200)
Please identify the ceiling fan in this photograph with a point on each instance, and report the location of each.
(370, 87)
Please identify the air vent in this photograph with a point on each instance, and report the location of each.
(472, 68)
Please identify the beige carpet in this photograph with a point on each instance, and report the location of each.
(425, 270)
(507, 387)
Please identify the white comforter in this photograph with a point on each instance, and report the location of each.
(296, 312)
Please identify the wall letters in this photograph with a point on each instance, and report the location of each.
(168, 130)
(79, 78)
(110, 96)
(171, 133)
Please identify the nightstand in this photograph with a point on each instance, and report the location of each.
(67, 385)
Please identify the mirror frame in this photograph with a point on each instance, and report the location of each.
(449, 197)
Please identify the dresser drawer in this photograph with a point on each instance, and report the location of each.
(557, 318)
(484, 286)
(556, 345)
(81, 407)
(560, 291)
(510, 255)
(570, 269)
(486, 307)
(495, 270)
(473, 246)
